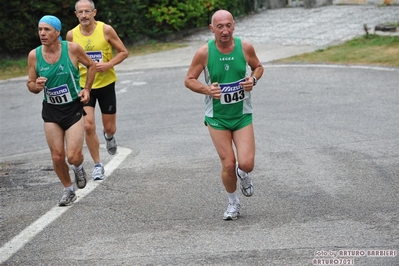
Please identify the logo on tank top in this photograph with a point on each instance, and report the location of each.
(60, 70)
(88, 46)
(227, 58)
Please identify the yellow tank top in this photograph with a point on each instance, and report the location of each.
(98, 49)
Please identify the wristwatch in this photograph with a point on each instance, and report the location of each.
(255, 80)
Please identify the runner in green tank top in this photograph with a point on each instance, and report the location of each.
(53, 69)
(228, 106)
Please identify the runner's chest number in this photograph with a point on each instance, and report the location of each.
(58, 95)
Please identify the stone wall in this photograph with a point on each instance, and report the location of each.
(272, 4)
(366, 2)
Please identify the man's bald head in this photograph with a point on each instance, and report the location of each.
(222, 15)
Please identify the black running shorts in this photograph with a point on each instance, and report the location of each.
(106, 99)
(64, 115)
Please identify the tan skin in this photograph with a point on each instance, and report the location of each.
(223, 27)
(55, 135)
(86, 16)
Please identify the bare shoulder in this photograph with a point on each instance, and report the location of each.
(32, 53)
(109, 30)
(69, 36)
(202, 52)
(247, 47)
(73, 46)
(32, 57)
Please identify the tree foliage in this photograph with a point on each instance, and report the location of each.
(134, 20)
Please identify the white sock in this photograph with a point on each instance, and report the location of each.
(233, 197)
(108, 136)
(70, 188)
(242, 173)
(77, 168)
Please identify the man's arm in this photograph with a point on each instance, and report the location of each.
(253, 61)
(81, 57)
(198, 64)
(35, 84)
(112, 37)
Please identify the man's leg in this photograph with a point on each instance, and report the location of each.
(55, 141)
(109, 128)
(244, 141)
(109, 124)
(222, 140)
(92, 141)
(74, 144)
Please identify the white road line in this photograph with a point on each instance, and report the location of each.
(19, 241)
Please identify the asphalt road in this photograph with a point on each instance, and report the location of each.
(326, 176)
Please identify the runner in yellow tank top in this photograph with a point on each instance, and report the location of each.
(98, 40)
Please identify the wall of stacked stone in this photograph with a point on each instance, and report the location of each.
(272, 4)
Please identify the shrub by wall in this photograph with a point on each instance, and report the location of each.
(134, 20)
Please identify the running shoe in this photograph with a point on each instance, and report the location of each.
(98, 172)
(245, 184)
(111, 144)
(80, 177)
(232, 212)
(68, 197)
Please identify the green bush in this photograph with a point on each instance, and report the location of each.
(134, 20)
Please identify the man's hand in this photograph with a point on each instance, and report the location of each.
(40, 83)
(84, 95)
(103, 66)
(215, 90)
(248, 84)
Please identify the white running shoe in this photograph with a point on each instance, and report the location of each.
(232, 212)
(80, 177)
(67, 198)
(98, 172)
(111, 144)
(245, 184)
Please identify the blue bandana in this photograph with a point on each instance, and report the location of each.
(52, 21)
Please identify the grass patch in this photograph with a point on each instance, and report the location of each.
(13, 68)
(153, 47)
(19, 68)
(368, 50)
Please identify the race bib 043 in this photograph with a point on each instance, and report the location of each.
(232, 92)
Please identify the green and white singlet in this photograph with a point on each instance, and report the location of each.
(62, 85)
(228, 70)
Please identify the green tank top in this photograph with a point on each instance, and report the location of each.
(228, 70)
(62, 85)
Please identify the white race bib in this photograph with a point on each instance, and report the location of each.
(232, 92)
(58, 95)
(96, 56)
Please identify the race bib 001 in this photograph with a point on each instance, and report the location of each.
(232, 92)
(58, 95)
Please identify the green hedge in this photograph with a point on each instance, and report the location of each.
(134, 20)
